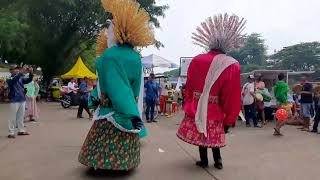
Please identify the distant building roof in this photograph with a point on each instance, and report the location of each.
(265, 71)
(268, 71)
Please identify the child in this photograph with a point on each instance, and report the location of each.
(169, 103)
(281, 94)
(180, 96)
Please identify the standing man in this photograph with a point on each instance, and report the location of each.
(152, 95)
(248, 102)
(163, 96)
(317, 110)
(317, 117)
(17, 98)
(306, 102)
(84, 95)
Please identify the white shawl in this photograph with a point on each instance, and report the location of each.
(140, 98)
(219, 64)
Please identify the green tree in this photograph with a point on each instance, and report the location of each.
(299, 57)
(173, 73)
(60, 30)
(254, 51)
(86, 50)
(13, 33)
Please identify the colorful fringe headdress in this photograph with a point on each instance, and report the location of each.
(221, 32)
(131, 23)
(102, 43)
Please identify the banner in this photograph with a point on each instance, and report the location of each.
(184, 64)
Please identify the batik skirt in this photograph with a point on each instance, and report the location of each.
(108, 148)
(189, 133)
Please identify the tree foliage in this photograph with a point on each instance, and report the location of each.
(51, 34)
(299, 57)
(254, 51)
(65, 25)
(13, 32)
(173, 73)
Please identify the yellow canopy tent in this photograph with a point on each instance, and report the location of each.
(79, 70)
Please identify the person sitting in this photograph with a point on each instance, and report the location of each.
(294, 118)
(72, 88)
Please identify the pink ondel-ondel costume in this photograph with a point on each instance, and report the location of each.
(213, 87)
(211, 101)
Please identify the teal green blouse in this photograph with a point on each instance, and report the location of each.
(119, 76)
(31, 89)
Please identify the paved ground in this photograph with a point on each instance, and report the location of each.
(252, 154)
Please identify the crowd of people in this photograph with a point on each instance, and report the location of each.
(162, 97)
(301, 105)
(211, 97)
(23, 94)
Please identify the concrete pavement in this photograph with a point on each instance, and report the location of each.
(51, 151)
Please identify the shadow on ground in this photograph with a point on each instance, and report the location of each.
(102, 174)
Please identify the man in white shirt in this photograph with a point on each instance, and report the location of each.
(72, 86)
(163, 96)
(248, 102)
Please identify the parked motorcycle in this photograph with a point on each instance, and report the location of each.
(70, 99)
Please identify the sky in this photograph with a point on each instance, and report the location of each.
(280, 22)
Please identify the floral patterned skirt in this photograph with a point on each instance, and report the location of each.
(106, 147)
(188, 132)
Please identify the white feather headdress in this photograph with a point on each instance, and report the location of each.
(221, 32)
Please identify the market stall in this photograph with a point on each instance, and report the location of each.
(269, 77)
(79, 70)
